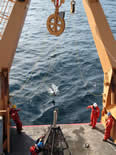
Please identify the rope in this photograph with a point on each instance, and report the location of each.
(57, 3)
(82, 77)
(29, 75)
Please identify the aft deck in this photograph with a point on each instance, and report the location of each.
(82, 140)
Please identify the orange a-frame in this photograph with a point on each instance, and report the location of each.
(12, 22)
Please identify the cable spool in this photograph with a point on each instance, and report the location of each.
(72, 10)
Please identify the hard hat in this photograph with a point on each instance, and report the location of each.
(14, 106)
(108, 113)
(95, 105)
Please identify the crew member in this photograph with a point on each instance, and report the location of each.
(38, 147)
(109, 123)
(14, 115)
(95, 112)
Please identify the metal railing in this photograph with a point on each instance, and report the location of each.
(6, 7)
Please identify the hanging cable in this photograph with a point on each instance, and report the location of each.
(56, 22)
(29, 75)
(82, 76)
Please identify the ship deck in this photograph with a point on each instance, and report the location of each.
(77, 136)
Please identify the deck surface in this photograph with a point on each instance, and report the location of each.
(76, 135)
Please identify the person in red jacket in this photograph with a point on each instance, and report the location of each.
(14, 115)
(38, 147)
(94, 114)
(108, 128)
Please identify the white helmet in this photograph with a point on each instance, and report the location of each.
(95, 105)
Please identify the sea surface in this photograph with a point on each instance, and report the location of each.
(69, 61)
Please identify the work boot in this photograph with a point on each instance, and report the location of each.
(105, 140)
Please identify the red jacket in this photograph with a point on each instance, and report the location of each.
(95, 111)
(14, 114)
(109, 122)
(108, 128)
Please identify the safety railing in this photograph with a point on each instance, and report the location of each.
(6, 7)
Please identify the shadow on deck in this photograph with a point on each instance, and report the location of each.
(78, 137)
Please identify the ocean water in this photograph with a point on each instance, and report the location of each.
(69, 61)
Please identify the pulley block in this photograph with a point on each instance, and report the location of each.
(55, 24)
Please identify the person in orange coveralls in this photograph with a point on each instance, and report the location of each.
(14, 115)
(94, 114)
(108, 128)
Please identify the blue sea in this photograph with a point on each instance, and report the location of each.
(69, 61)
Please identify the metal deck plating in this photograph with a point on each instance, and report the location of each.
(77, 136)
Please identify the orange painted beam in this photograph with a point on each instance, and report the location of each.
(12, 32)
(102, 35)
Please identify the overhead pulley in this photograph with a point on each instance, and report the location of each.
(72, 10)
(55, 22)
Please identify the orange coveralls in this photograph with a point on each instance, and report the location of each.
(108, 128)
(94, 115)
